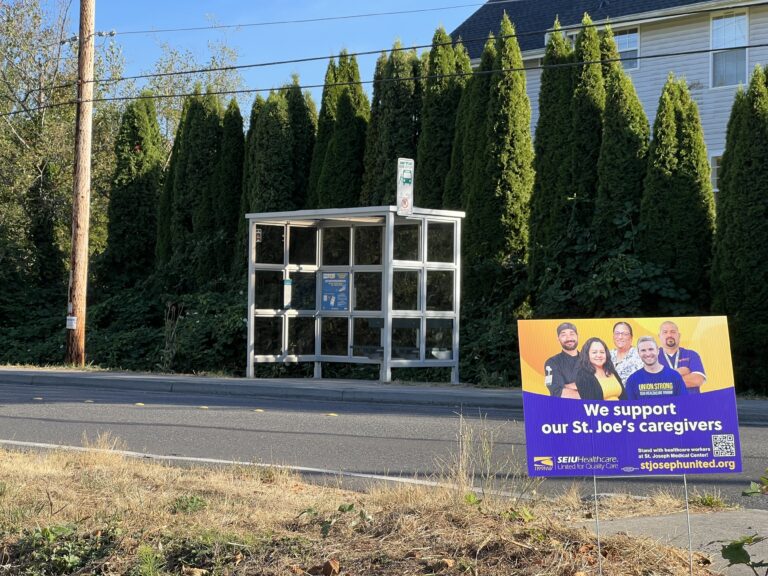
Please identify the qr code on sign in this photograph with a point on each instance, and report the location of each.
(723, 445)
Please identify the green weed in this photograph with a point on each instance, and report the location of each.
(151, 563)
(188, 504)
(54, 550)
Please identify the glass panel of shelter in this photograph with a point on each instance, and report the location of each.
(440, 290)
(354, 254)
(423, 289)
(284, 290)
(407, 287)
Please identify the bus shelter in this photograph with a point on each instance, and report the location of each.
(355, 285)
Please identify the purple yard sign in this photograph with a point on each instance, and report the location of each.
(634, 397)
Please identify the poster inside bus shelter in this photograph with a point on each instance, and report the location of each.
(629, 397)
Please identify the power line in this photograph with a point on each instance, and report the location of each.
(400, 12)
(540, 66)
(233, 67)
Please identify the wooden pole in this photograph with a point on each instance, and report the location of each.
(81, 201)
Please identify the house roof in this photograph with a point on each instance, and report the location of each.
(533, 17)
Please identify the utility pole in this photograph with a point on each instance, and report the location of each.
(81, 200)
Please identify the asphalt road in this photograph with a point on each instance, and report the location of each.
(355, 438)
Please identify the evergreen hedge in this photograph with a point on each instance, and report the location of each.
(677, 209)
(622, 164)
(551, 188)
(739, 274)
(132, 229)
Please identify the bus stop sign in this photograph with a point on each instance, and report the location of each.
(405, 173)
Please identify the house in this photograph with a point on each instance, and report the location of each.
(713, 44)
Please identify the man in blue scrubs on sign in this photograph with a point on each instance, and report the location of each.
(686, 362)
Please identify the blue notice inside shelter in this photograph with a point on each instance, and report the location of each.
(335, 295)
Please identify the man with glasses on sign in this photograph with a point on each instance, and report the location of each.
(625, 358)
(686, 362)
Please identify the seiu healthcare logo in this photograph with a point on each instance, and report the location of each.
(543, 462)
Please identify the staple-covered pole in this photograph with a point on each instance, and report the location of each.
(81, 200)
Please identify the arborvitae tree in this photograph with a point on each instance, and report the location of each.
(348, 74)
(340, 180)
(463, 67)
(550, 209)
(164, 246)
(609, 52)
(398, 126)
(272, 171)
(454, 179)
(228, 181)
(727, 290)
(342, 176)
(325, 124)
(476, 143)
(373, 159)
(240, 263)
(497, 219)
(496, 235)
(303, 116)
(457, 174)
(623, 160)
(204, 207)
(139, 153)
(677, 208)
(586, 135)
(420, 73)
(251, 155)
(438, 121)
(739, 278)
(192, 213)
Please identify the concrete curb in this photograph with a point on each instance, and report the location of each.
(293, 389)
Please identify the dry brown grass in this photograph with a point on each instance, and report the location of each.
(127, 516)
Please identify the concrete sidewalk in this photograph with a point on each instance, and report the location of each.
(287, 388)
(708, 534)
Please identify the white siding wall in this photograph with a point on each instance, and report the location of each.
(533, 85)
(684, 35)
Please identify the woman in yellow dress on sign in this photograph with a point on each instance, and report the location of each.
(596, 377)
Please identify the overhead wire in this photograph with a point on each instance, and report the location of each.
(540, 66)
(311, 20)
(390, 13)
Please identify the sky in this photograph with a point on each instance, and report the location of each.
(256, 44)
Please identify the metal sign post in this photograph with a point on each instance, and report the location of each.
(405, 173)
(597, 528)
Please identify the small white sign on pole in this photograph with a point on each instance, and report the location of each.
(405, 174)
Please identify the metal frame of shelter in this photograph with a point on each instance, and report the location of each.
(355, 285)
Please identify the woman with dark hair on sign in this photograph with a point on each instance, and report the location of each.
(596, 376)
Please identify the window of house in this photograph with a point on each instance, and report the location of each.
(729, 59)
(628, 43)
